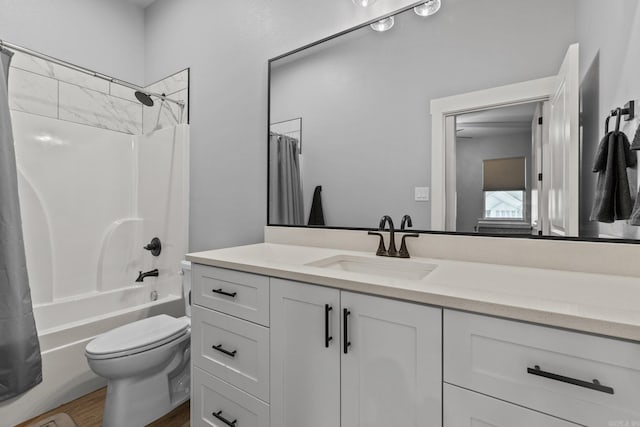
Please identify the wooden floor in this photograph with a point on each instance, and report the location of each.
(86, 411)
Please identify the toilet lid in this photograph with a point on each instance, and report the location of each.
(140, 334)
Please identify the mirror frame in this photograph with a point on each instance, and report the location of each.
(435, 232)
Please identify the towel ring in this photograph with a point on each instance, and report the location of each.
(618, 114)
(606, 125)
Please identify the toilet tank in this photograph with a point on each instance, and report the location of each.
(186, 286)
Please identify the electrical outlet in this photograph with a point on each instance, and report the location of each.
(422, 194)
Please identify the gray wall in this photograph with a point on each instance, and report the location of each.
(609, 35)
(365, 102)
(469, 156)
(104, 35)
(227, 45)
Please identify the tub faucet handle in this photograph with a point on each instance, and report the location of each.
(155, 246)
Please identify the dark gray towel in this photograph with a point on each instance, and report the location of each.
(613, 195)
(316, 214)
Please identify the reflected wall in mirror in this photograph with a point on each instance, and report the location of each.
(420, 120)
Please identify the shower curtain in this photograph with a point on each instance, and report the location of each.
(286, 206)
(20, 360)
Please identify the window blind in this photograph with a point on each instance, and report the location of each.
(504, 174)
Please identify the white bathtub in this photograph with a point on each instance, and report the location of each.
(64, 329)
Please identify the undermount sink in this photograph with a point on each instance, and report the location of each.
(386, 267)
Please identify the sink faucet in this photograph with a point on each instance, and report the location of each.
(152, 273)
(392, 252)
(406, 220)
(404, 251)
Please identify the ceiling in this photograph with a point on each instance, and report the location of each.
(141, 3)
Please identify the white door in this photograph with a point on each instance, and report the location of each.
(466, 408)
(562, 169)
(536, 171)
(305, 364)
(539, 191)
(391, 363)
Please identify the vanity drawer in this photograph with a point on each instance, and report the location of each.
(213, 396)
(499, 358)
(239, 294)
(232, 349)
(466, 408)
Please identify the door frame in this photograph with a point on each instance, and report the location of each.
(538, 90)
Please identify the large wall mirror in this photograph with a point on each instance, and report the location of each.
(486, 117)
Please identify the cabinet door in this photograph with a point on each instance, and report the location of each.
(305, 372)
(392, 368)
(466, 408)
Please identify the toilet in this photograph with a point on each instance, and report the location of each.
(146, 364)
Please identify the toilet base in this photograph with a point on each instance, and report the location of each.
(137, 401)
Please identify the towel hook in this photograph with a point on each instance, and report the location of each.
(618, 114)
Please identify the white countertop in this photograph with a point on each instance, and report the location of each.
(595, 303)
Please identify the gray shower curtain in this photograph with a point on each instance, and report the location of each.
(286, 206)
(20, 360)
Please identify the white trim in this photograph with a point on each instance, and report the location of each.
(513, 94)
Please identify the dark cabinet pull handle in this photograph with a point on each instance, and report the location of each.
(345, 324)
(327, 337)
(222, 350)
(595, 385)
(219, 416)
(221, 292)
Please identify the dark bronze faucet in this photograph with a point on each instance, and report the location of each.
(404, 251)
(393, 252)
(152, 273)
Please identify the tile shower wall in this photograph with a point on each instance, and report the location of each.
(166, 114)
(40, 87)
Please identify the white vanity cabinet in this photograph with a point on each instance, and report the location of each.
(229, 348)
(466, 408)
(590, 380)
(273, 352)
(305, 355)
(391, 369)
(381, 367)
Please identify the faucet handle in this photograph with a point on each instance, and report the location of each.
(406, 220)
(404, 252)
(382, 250)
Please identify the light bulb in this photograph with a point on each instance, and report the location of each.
(427, 9)
(383, 24)
(363, 3)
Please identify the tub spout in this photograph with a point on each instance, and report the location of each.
(152, 273)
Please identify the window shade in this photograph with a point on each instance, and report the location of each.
(504, 174)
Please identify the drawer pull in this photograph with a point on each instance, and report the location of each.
(221, 292)
(327, 338)
(345, 324)
(222, 350)
(595, 385)
(219, 416)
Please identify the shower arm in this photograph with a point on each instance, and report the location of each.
(78, 68)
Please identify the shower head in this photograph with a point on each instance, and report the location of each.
(144, 98)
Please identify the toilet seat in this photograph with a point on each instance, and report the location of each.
(137, 337)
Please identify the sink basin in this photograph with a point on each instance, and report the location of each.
(379, 266)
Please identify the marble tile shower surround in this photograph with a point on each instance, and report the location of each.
(163, 115)
(40, 87)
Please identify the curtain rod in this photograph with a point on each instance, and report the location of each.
(66, 64)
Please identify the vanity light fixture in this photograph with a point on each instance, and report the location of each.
(383, 24)
(428, 8)
(363, 3)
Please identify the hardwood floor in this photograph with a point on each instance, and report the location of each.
(86, 411)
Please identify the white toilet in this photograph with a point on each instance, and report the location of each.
(146, 364)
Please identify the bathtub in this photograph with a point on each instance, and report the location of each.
(64, 328)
